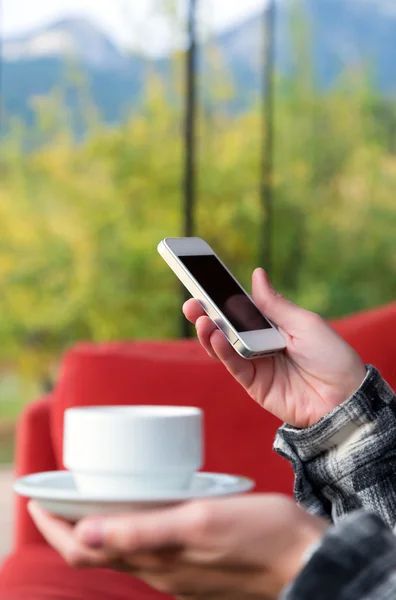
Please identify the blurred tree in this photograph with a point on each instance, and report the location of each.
(79, 223)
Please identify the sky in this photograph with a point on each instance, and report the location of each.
(132, 23)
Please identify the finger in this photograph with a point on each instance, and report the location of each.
(192, 580)
(218, 347)
(273, 305)
(173, 534)
(205, 328)
(222, 596)
(180, 582)
(193, 310)
(59, 535)
(136, 533)
(196, 532)
(241, 369)
(155, 561)
(216, 596)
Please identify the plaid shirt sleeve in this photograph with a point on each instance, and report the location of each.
(347, 461)
(345, 470)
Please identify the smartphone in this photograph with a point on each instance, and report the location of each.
(221, 296)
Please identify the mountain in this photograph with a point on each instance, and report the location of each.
(38, 62)
(75, 38)
(355, 33)
(343, 33)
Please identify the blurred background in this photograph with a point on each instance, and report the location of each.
(268, 128)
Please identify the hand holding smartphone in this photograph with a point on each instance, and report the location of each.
(221, 296)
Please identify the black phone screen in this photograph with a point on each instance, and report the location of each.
(225, 292)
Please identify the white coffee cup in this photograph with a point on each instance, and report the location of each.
(129, 450)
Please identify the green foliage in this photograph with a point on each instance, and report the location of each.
(79, 223)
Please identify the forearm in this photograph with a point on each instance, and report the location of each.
(347, 460)
(356, 560)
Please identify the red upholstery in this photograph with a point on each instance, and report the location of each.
(239, 436)
(238, 433)
(373, 335)
(34, 454)
(38, 573)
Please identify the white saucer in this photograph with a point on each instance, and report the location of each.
(56, 492)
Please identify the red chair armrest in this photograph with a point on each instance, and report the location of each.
(34, 453)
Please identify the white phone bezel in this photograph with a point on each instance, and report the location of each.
(249, 344)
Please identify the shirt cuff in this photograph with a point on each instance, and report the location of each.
(337, 427)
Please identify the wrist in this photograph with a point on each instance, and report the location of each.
(355, 381)
(345, 388)
(308, 536)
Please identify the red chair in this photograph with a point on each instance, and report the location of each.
(239, 437)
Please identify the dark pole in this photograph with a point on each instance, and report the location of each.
(189, 138)
(266, 191)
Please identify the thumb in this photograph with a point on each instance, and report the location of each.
(135, 532)
(273, 305)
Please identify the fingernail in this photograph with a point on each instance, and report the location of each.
(264, 275)
(92, 534)
(260, 271)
